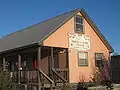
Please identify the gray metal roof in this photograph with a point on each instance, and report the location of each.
(32, 34)
(38, 32)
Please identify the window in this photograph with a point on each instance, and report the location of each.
(79, 24)
(82, 58)
(99, 59)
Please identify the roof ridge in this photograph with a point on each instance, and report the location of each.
(57, 16)
(39, 23)
(76, 10)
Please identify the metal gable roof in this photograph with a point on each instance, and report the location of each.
(37, 33)
(32, 34)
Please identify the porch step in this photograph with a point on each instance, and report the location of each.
(34, 86)
(44, 85)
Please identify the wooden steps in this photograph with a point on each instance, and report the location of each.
(45, 82)
(34, 86)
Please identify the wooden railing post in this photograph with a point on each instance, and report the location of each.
(39, 58)
(4, 64)
(19, 67)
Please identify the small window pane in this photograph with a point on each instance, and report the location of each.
(82, 62)
(79, 28)
(79, 19)
(82, 55)
(99, 56)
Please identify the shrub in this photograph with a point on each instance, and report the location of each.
(5, 81)
(101, 75)
(82, 85)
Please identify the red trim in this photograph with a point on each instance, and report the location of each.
(34, 64)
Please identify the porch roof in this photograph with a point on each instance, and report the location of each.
(37, 33)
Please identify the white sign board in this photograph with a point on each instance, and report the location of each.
(79, 42)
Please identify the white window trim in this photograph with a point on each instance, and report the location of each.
(85, 64)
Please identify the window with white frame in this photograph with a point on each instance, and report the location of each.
(82, 58)
(79, 24)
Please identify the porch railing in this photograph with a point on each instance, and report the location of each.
(36, 78)
(63, 73)
(59, 78)
(25, 76)
(32, 76)
(43, 77)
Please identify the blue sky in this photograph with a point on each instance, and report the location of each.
(18, 14)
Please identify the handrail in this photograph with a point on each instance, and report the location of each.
(53, 70)
(58, 69)
(50, 80)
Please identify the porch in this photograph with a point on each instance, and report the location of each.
(38, 66)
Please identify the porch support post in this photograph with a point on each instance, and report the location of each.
(51, 63)
(19, 67)
(4, 65)
(67, 52)
(39, 58)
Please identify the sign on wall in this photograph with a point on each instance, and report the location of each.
(79, 42)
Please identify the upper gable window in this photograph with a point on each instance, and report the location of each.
(79, 24)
